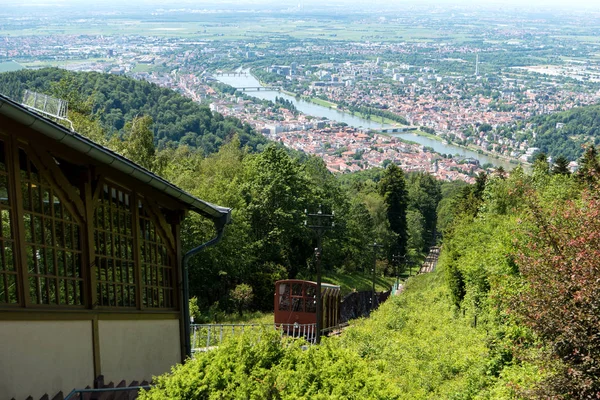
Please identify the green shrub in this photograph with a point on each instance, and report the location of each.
(264, 366)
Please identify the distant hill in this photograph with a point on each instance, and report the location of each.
(565, 133)
(117, 100)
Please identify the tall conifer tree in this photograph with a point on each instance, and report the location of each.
(393, 189)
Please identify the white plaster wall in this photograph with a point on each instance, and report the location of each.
(38, 357)
(137, 350)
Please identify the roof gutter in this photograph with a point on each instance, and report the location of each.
(106, 156)
(220, 228)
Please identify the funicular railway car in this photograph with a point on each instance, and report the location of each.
(296, 303)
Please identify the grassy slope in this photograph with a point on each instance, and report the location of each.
(432, 352)
(414, 347)
(358, 281)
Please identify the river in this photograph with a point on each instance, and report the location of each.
(319, 111)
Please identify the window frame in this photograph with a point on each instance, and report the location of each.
(79, 197)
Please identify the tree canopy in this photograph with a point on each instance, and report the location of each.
(114, 101)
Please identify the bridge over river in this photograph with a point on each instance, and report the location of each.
(232, 74)
(259, 88)
(242, 78)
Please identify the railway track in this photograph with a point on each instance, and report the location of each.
(431, 260)
(336, 330)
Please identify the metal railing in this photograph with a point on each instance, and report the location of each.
(208, 336)
(77, 393)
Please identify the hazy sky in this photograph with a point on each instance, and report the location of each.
(594, 4)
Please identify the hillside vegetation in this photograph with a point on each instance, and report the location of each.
(510, 313)
(565, 133)
(413, 347)
(114, 101)
(269, 188)
(521, 263)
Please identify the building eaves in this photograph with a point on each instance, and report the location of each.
(103, 155)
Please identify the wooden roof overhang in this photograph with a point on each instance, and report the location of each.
(104, 156)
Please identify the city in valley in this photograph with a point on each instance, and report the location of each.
(450, 90)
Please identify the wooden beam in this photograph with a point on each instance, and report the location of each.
(96, 347)
(98, 189)
(163, 227)
(177, 280)
(89, 247)
(46, 314)
(137, 258)
(58, 183)
(57, 177)
(19, 223)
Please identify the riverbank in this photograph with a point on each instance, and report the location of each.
(324, 109)
(497, 156)
(335, 106)
(470, 147)
(478, 150)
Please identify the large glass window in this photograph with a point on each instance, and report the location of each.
(310, 299)
(297, 298)
(284, 297)
(52, 241)
(8, 273)
(42, 250)
(114, 244)
(157, 268)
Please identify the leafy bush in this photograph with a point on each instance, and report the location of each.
(430, 351)
(560, 297)
(265, 366)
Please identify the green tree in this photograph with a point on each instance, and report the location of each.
(276, 192)
(138, 143)
(89, 127)
(70, 89)
(416, 228)
(392, 188)
(194, 309)
(589, 167)
(241, 296)
(540, 163)
(359, 232)
(560, 296)
(424, 194)
(500, 172)
(561, 166)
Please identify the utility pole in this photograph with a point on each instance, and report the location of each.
(375, 247)
(320, 223)
(396, 264)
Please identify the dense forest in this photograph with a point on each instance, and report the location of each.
(113, 101)
(511, 312)
(269, 192)
(268, 187)
(565, 133)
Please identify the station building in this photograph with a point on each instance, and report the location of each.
(91, 274)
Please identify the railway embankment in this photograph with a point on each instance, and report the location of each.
(414, 346)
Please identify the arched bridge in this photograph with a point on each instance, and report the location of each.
(232, 74)
(259, 88)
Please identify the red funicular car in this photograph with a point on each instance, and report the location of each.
(296, 303)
